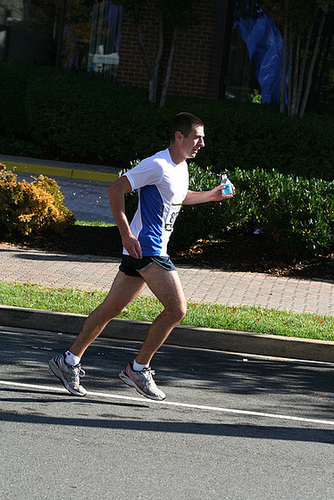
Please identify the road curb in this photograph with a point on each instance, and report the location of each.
(184, 336)
(60, 169)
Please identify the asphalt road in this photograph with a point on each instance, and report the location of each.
(232, 427)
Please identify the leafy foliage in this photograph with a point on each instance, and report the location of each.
(58, 114)
(294, 214)
(29, 208)
(282, 167)
(307, 31)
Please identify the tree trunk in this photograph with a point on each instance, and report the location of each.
(143, 50)
(284, 61)
(155, 75)
(60, 33)
(294, 109)
(169, 68)
(303, 65)
(291, 58)
(310, 72)
(322, 60)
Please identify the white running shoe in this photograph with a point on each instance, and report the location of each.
(143, 382)
(69, 375)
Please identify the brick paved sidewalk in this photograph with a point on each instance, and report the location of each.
(200, 285)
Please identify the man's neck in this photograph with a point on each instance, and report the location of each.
(175, 154)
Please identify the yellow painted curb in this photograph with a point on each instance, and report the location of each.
(72, 173)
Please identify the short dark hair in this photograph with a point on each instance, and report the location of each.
(184, 123)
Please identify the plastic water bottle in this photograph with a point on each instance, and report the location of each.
(226, 185)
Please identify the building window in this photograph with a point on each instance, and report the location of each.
(64, 33)
(256, 51)
(105, 39)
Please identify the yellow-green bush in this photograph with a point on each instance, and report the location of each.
(30, 208)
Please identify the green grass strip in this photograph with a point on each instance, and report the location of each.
(94, 224)
(242, 318)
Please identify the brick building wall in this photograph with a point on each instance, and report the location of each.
(199, 54)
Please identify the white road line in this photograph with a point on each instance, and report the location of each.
(171, 403)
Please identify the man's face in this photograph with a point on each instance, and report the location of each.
(193, 143)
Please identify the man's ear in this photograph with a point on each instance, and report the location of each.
(178, 136)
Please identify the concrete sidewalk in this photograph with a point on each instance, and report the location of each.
(88, 272)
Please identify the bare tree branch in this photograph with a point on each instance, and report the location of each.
(310, 72)
(284, 62)
(155, 76)
(290, 69)
(303, 65)
(294, 109)
(169, 67)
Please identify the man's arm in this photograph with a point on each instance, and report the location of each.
(215, 194)
(117, 192)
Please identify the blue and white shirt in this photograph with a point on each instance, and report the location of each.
(162, 186)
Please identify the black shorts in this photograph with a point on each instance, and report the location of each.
(130, 266)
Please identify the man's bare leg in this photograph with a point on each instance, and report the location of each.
(166, 286)
(124, 289)
(65, 367)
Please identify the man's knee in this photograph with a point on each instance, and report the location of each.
(109, 310)
(179, 312)
(183, 310)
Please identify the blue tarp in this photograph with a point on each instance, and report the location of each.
(265, 47)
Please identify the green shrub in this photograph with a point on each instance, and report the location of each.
(14, 78)
(19, 147)
(282, 167)
(294, 214)
(79, 117)
(30, 208)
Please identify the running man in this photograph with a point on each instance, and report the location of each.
(162, 182)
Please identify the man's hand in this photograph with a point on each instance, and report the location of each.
(132, 246)
(215, 194)
(228, 195)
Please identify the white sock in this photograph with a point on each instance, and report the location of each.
(71, 359)
(138, 367)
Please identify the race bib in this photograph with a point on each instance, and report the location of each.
(172, 215)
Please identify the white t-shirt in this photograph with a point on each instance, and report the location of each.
(162, 185)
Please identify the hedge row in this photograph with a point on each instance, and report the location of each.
(294, 214)
(58, 114)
